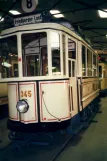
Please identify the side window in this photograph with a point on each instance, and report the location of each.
(83, 60)
(106, 71)
(89, 62)
(94, 65)
(100, 71)
(55, 50)
(64, 54)
(71, 58)
(71, 49)
(97, 66)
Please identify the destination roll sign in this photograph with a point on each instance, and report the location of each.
(32, 19)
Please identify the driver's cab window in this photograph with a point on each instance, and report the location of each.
(8, 57)
(34, 48)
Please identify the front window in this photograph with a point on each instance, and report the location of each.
(55, 50)
(8, 57)
(35, 59)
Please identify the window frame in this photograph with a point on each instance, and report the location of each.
(76, 56)
(64, 61)
(93, 53)
(61, 52)
(85, 59)
(17, 36)
(30, 32)
(88, 63)
(96, 68)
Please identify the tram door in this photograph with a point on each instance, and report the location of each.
(72, 66)
(72, 76)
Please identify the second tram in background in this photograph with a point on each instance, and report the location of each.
(103, 77)
(52, 76)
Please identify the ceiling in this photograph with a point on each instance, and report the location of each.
(83, 14)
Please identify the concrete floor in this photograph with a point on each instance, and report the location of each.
(90, 144)
(4, 141)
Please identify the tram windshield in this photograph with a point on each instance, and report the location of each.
(9, 57)
(34, 53)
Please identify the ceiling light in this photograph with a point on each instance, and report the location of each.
(14, 12)
(54, 11)
(103, 14)
(1, 19)
(59, 15)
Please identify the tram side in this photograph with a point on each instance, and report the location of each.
(3, 100)
(88, 81)
(53, 82)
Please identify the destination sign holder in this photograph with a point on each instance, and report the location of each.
(26, 19)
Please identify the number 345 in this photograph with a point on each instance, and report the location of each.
(25, 93)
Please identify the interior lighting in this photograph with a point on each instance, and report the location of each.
(103, 14)
(5, 64)
(56, 13)
(14, 12)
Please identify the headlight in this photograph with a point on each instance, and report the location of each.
(22, 106)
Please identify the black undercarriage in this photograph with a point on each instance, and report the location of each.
(37, 127)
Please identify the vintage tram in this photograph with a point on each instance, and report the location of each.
(52, 76)
(103, 77)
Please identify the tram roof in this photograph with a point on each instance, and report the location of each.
(44, 26)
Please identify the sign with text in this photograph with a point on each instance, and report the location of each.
(33, 19)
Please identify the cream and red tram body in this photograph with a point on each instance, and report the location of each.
(52, 76)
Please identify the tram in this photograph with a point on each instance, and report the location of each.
(103, 77)
(52, 76)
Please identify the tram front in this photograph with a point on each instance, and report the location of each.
(31, 62)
